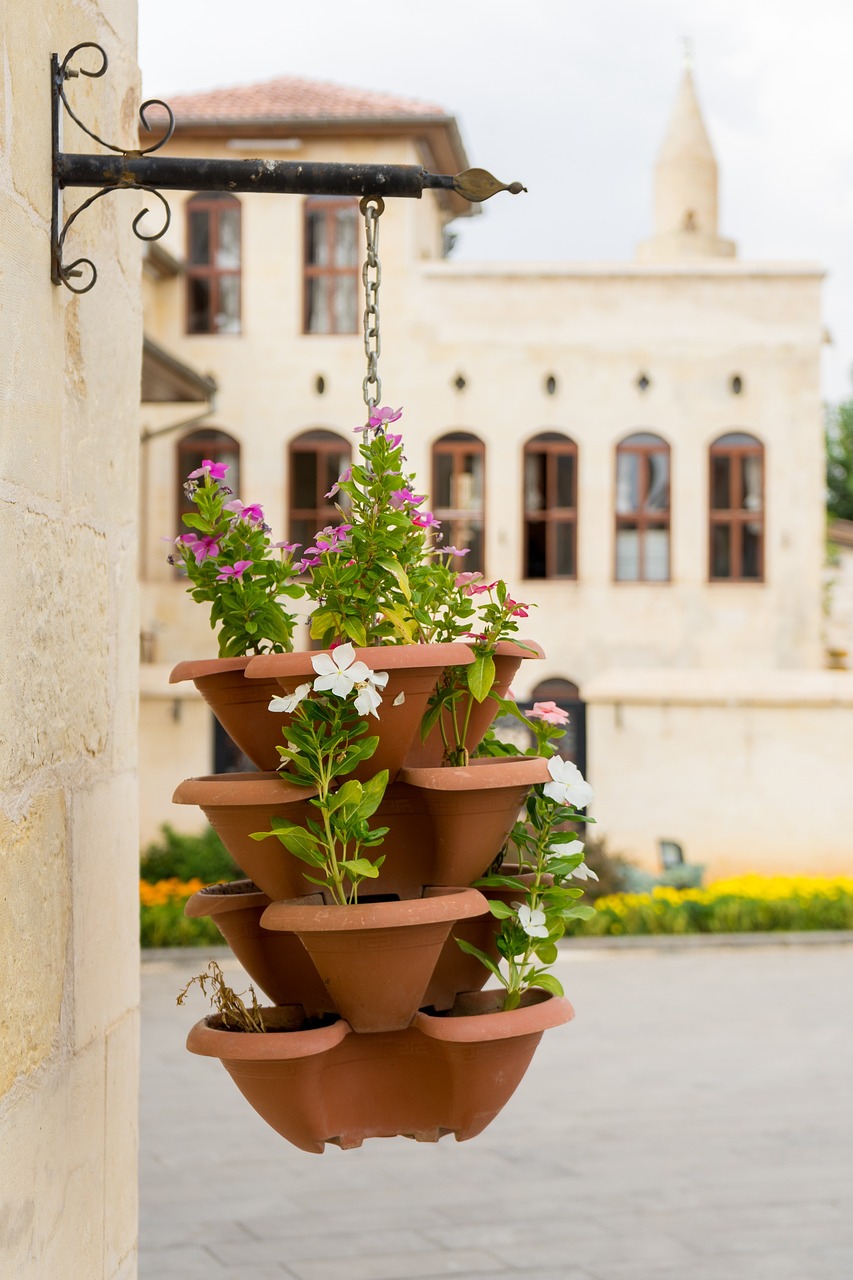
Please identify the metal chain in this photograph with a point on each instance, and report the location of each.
(371, 274)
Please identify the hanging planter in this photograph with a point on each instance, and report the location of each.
(446, 1074)
(375, 959)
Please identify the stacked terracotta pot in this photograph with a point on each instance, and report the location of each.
(380, 1026)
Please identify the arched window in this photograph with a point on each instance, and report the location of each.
(213, 263)
(317, 459)
(550, 506)
(736, 502)
(207, 442)
(330, 265)
(642, 509)
(458, 481)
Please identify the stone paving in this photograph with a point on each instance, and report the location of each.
(695, 1122)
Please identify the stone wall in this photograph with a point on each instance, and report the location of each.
(69, 393)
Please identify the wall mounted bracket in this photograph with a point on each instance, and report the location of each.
(138, 170)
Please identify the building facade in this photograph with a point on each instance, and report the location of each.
(635, 447)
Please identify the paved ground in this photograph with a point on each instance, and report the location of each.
(695, 1122)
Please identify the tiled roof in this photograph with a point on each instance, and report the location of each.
(287, 98)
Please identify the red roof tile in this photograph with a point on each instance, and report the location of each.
(287, 98)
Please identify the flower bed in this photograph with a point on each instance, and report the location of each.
(741, 904)
(162, 922)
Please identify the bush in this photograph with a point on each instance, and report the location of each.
(162, 922)
(203, 857)
(741, 904)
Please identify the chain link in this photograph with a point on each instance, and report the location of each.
(371, 275)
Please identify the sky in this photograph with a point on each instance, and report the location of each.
(572, 97)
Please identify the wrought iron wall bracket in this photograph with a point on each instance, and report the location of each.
(138, 170)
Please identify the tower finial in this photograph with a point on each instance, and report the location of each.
(687, 54)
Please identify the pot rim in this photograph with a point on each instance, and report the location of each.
(520, 648)
(213, 790)
(543, 1011)
(310, 914)
(380, 656)
(249, 1046)
(470, 776)
(196, 668)
(211, 901)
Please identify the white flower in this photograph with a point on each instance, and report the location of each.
(583, 872)
(290, 701)
(339, 673)
(576, 846)
(367, 700)
(532, 920)
(568, 786)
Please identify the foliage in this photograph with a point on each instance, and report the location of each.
(736, 905)
(234, 1015)
(162, 922)
(325, 741)
(839, 460)
(227, 555)
(548, 854)
(187, 856)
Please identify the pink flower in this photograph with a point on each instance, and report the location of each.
(286, 546)
(514, 609)
(381, 417)
(455, 551)
(200, 547)
(401, 498)
(342, 479)
(216, 470)
(479, 590)
(425, 520)
(251, 512)
(549, 712)
(394, 441)
(233, 572)
(465, 579)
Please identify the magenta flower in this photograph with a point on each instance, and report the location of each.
(476, 590)
(342, 479)
(382, 417)
(251, 512)
(401, 498)
(216, 470)
(200, 547)
(425, 520)
(229, 573)
(286, 546)
(514, 609)
(394, 441)
(549, 712)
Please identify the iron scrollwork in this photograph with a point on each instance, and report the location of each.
(62, 272)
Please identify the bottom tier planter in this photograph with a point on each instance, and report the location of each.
(447, 1073)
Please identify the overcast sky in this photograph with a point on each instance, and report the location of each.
(572, 97)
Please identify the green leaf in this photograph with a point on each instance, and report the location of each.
(547, 982)
(480, 676)
(546, 952)
(348, 794)
(578, 913)
(500, 882)
(481, 956)
(372, 793)
(360, 869)
(302, 845)
(354, 628)
(500, 910)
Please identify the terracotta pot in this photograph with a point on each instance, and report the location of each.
(458, 971)
(442, 1075)
(473, 809)
(277, 962)
(413, 671)
(445, 826)
(241, 706)
(376, 959)
(509, 656)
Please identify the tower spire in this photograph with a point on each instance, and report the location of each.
(685, 224)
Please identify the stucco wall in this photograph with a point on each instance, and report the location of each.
(69, 388)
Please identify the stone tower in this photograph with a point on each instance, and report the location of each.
(685, 222)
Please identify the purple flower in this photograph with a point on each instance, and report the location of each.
(342, 479)
(251, 512)
(381, 417)
(425, 520)
(234, 572)
(200, 547)
(286, 546)
(401, 497)
(455, 551)
(216, 470)
(394, 441)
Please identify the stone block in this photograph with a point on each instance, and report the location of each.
(121, 1146)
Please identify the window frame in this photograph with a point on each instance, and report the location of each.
(552, 444)
(458, 444)
(313, 271)
(735, 517)
(320, 441)
(640, 444)
(213, 203)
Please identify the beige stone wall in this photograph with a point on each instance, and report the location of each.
(746, 771)
(69, 382)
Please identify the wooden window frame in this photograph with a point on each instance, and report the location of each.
(213, 205)
(457, 445)
(314, 271)
(320, 442)
(736, 516)
(639, 444)
(552, 444)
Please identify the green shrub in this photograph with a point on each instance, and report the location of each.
(187, 857)
(167, 926)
